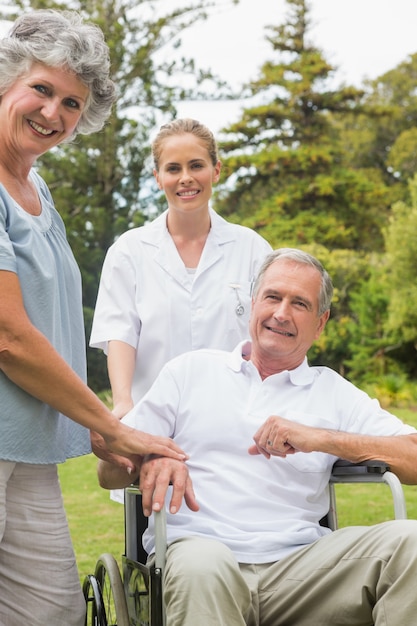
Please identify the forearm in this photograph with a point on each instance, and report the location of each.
(398, 452)
(121, 358)
(30, 361)
(111, 476)
(280, 437)
(36, 367)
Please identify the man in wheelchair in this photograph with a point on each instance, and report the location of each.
(263, 429)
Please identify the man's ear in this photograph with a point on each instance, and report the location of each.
(322, 323)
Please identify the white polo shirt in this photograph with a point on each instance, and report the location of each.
(212, 403)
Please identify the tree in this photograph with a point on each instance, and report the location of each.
(384, 137)
(367, 358)
(338, 344)
(401, 246)
(318, 168)
(287, 175)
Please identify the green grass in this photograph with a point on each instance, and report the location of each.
(97, 523)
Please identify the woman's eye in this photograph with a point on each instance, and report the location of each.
(41, 88)
(72, 104)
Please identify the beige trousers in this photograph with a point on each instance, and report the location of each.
(39, 581)
(357, 576)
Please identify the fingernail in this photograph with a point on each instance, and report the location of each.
(129, 470)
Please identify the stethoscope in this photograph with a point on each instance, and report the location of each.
(240, 309)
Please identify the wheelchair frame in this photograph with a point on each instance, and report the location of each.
(136, 600)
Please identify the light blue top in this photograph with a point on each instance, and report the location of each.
(36, 248)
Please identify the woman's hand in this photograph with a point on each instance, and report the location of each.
(126, 447)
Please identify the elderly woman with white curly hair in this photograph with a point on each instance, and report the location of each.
(54, 83)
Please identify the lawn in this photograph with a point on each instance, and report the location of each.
(97, 523)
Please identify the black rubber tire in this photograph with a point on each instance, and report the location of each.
(108, 576)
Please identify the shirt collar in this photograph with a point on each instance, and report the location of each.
(302, 375)
(156, 231)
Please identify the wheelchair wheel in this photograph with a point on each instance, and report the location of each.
(110, 584)
(136, 579)
(95, 614)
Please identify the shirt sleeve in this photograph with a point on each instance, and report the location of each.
(368, 417)
(116, 316)
(157, 411)
(7, 255)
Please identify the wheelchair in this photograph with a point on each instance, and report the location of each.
(134, 597)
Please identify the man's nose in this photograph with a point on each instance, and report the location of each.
(282, 311)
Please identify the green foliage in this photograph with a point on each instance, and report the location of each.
(97, 361)
(393, 390)
(336, 345)
(368, 304)
(401, 247)
(288, 180)
(319, 168)
(402, 157)
(383, 136)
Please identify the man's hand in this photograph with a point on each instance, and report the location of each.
(156, 474)
(279, 437)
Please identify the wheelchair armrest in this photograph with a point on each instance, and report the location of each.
(368, 472)
(346, 468)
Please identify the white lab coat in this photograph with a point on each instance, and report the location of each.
(148, 299)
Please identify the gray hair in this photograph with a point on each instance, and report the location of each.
(299, 256)
(61, 39)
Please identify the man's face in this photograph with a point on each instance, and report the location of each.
(284, 319)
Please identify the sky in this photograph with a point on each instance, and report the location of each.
(362, 38)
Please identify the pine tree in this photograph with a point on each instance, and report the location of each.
(287, 175)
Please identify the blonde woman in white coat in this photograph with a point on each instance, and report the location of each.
(181, 282)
